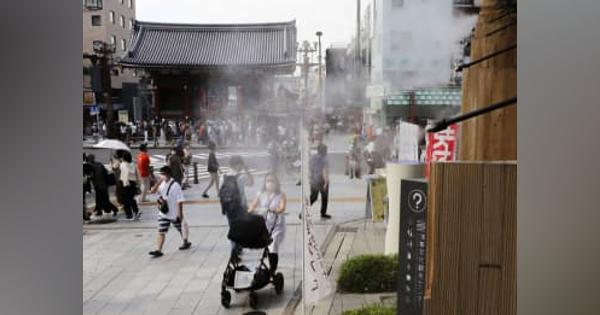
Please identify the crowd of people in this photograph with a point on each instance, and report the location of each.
(134, 182)
(221, 131)
(371, 146)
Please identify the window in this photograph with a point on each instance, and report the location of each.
(93, 4)
(96, 20)
(113, 40)
(123, 45)
(122, 21)
(111, 16)
(121, 1)
(397, 3)
(131, 24)
(130, 3)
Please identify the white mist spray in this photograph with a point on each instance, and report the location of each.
(419, 41)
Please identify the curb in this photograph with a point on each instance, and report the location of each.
(291, 306)
(297, 297)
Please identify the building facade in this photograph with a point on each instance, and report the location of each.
(110, 22)
(410, 47)
(211, 70)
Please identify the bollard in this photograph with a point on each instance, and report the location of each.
(195, 172)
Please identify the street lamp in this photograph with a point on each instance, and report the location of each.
(319, 34)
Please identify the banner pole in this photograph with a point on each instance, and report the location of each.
(303, 206)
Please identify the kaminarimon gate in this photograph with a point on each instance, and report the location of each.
(205, 71)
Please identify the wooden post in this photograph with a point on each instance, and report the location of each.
(492, 136)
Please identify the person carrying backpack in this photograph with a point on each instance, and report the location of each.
(233, 188)
(232, 193)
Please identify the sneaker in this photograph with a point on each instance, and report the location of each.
(137, 215)
(185, 246)
(205, 196)
(155, 253)
(115, 213)
(325, 216)
(131, 218)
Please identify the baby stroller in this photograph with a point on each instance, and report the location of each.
(249, 231)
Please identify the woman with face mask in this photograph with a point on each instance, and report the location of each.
(270, 203)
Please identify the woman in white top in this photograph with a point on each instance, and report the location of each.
(270, 203)
(128, 179)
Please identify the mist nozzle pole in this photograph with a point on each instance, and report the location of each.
(445, 122)
(482, 59)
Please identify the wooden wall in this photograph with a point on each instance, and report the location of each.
(472, 249)
(492, 136)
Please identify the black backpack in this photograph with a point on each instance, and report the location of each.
(229, 195)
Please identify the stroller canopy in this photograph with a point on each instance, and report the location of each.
(249, 231)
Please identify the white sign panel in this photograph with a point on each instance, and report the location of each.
(408, 142)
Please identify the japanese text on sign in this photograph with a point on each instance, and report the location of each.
(441, 146)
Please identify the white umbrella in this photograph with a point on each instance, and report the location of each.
(111, 144)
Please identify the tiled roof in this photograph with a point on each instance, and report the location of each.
(216, 45)
(425, 97)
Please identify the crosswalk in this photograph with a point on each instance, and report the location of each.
(224, 156)
(158, 160)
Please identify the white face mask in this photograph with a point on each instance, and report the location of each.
(270, 187)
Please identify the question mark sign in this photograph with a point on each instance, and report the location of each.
(419, 200)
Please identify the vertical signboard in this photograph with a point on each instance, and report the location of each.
(412, 246)
(408, 142)
(441, 146)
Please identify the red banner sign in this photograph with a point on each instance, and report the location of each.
(441, 146)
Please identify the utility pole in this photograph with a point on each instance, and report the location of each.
(306, 49)
(102, 54)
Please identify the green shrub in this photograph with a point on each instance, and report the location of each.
(372, 310)
(369, 274)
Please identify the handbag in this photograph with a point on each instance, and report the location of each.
(163, 205)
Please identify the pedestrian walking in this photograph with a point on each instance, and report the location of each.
(232, 193)
(270, 203)
(143, 170)
(115, 165)
(187, 164)
(101, 183)
(129, 181)
(319, 179)
(170, 203)
(88, 172)
(176, 165)
(244, 179)
(213, 170)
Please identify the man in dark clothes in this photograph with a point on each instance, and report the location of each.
(319, 179)
(100, 182)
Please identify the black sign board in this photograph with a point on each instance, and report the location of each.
(411, 254)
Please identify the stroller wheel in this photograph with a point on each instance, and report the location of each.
(278, 282)
(225, 298)
(253, 300)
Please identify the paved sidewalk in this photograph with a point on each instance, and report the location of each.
(121, 278)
